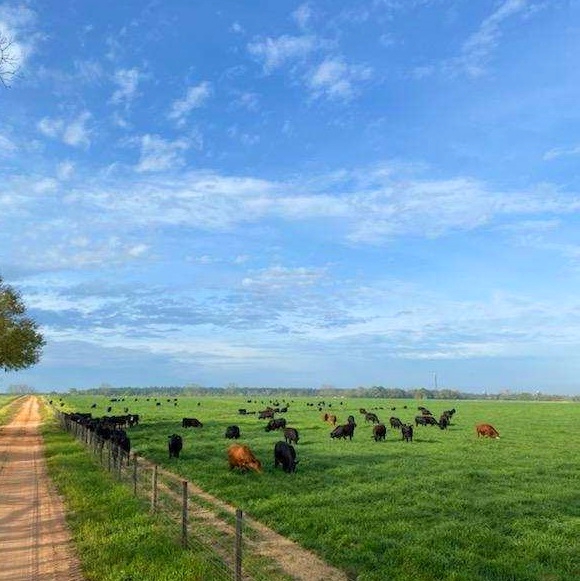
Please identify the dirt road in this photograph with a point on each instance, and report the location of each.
(34, 540)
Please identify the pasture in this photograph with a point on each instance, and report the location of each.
(447, 506)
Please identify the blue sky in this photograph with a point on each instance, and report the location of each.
(295, 193)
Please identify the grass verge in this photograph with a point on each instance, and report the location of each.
(115, 536)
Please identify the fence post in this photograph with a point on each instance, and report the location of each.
(134, 474)
(154, 490)
(238, 546)
(184, 515)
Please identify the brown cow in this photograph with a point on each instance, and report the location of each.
(331, 419)
(240, 456)
(486, 430)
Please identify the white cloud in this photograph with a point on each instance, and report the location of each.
(158, 154)
(276, 52)
(562, 152)
(65, 170)
(17, 26)
(74, 133)
(195, 98)
(477, 49)
(335, 79)
(302, 15)
(127, 81)
(279, 277)
(7, 147)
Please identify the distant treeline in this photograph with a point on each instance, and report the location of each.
(377, 391)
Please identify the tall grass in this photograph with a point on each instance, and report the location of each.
(447, 506)
(7, 410)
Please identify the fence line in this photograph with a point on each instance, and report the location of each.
(226, 538)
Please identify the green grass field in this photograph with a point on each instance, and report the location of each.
(447, 506)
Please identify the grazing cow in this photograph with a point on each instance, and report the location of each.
(265, 414)
(191, 423)
(175, 444)
(407, 432)
(443, 421)
(331, 419)
(448, 414)
(370, 417)
(425, 421)
(275, 425)
(486, 430)
(291, 435)
(344, 432)
(242, 411)
(285, 455)
(350, 420)
(379, 432)
(240, 456)
(232, 432)
(396, 423)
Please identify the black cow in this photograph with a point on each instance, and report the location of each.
(174, 444)
(425, 421)
(396, 423)
(291, 435)
(407, 432)
(443, 421)
(370, 417)
(285, 455)
(191, 423)
(344, 432)
(379, 432)
(275, 425)
(350, 420)
(232, 432)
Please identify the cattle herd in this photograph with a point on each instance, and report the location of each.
(241, 458)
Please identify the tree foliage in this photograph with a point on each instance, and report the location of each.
(20, 341)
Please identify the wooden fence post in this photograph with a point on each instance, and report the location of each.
(154, 490)
(238, 546)
(184, 515)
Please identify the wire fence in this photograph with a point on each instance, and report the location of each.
(226, 537)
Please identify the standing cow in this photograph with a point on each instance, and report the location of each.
(285, 455)
(240, 456)
(407, 432)
(291, 435)
(379, 432)
(174, 445)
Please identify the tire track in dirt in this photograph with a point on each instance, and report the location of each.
(35, 542)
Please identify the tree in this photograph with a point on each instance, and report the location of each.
(20, 341)
(8, 60)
